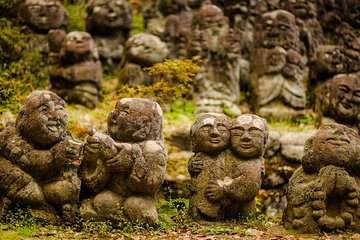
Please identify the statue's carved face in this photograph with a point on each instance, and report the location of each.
(145, 49)
(302, 9)
(135, 120)
(347, 97)
(109, 13)
(210, 133)
(248, 136)
(213, 26)
(78, 42)
(43, 14)
(43, 119)
(333, 145)
(278, 28)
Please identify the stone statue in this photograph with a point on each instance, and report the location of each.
(176, 36)
(278, 68)
(339, 99)
(38, 17)
(39, 160)
(311, 31)
(227, 167)
(75, 73)
(217, 85)
(239, 14)
(141, 50)
(342, 52)
(109, 22)
(125, 167)
(323, 194)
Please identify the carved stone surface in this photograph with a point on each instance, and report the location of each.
(278, 68)
(125, 167)
(307, 13)
(323, 194)
(39, 160)
(142, 50)
(109, 22)
(342, 52)
(338, 98)
(227, 166)
(217, 85)
(75, 72)
(38, 17)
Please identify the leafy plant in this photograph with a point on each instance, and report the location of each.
(173, 80)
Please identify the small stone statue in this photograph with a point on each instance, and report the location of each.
(217, 85)
(75, 74)
(38, 17)
(125, 167)
(227, 167)
(278, 67)
(142, 50)
(323, 194)
(39, 160)
(339, 99)
(109, 22)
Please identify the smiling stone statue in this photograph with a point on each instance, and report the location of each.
(227, 166)
(339, 99)
(323, 194)
(39, 160)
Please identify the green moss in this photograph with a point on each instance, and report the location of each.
(76, 17)
(11, 43)
(21, 72)
(173, 80)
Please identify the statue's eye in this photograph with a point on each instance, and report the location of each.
(357, 94)
(52, 8)
(283, 27)
(237, 131)
(205, 129)
(344, 88)
(34, 8)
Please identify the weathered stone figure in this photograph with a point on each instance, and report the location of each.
(227, 166)
(239, 13)
(38, 17)
(307, 14)
(339, 99)
(342, 54)
(176, 36)
(210, 138)
(323, 194)
(217, 85)
(142, 50)
(125, 168)
(76, 73)
(39, 160)
(278, 67)
(109, 22)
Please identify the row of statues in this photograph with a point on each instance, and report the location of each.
(282, 53)
(118, 173)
